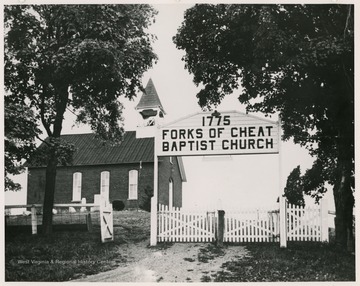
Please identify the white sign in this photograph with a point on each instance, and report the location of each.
(228, 133)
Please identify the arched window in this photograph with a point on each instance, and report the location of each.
(171, 194)
(105, 183)
(133, 185)
(76, 192)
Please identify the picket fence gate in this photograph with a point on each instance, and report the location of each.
(303, 224)
(251, 226)
(176, 225)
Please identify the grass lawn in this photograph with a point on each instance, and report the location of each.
(69, 253)
(72, 253)
(300, 261)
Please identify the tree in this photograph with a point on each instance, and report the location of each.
(296, 60)
(20, 132)
(78, 57)
(294, 190)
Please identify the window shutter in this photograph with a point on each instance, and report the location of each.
(77, 180)
(133, 185)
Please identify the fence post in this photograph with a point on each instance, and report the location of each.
(154, 200)
(153, 219)
(88, 222)
(83, 202)
(221, 226)
(324, 220)
(283, 222)
(33, 220)
(282, 199)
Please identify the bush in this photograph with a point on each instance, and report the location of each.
(145, 203)
(118, 205)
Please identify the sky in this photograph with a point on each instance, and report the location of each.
(246, 181)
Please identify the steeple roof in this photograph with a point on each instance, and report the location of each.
(150, 98)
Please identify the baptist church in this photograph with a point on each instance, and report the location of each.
(124, 172)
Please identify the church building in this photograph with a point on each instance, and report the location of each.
(124, 172)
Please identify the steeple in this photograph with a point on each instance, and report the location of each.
(150, 104)
(151, 110)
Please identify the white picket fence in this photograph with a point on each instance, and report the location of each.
(303, 224)
(176, 225)
(306, 224)
(62, 213)
(251, 226)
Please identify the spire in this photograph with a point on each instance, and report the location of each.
(150, 100)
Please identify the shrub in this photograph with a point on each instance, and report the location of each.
(118, 205)
(145, 203)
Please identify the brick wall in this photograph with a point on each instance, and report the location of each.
(118, 189)
(169, 171)
(119, 182)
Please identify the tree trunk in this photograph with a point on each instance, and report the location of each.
(52, 160)
(49, 193)
(343, 194)
(344, 203)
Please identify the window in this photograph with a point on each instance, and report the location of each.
(171, 194)
(133, 185)
(76, 187)
(105, 182)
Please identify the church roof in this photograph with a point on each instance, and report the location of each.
(150, 98)
(92, 151)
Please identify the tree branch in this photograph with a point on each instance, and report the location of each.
(347, 21)
(42, 113)
(42, 140)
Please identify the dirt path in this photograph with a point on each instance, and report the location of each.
(179, 262)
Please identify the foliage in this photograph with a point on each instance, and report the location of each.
(118, 205)
(20, 132)
(64, 153)
(301, 261)
(76, 57)
(294, 190)
(210, 252)
(145, 201)
(293, 60)
(83, 56)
